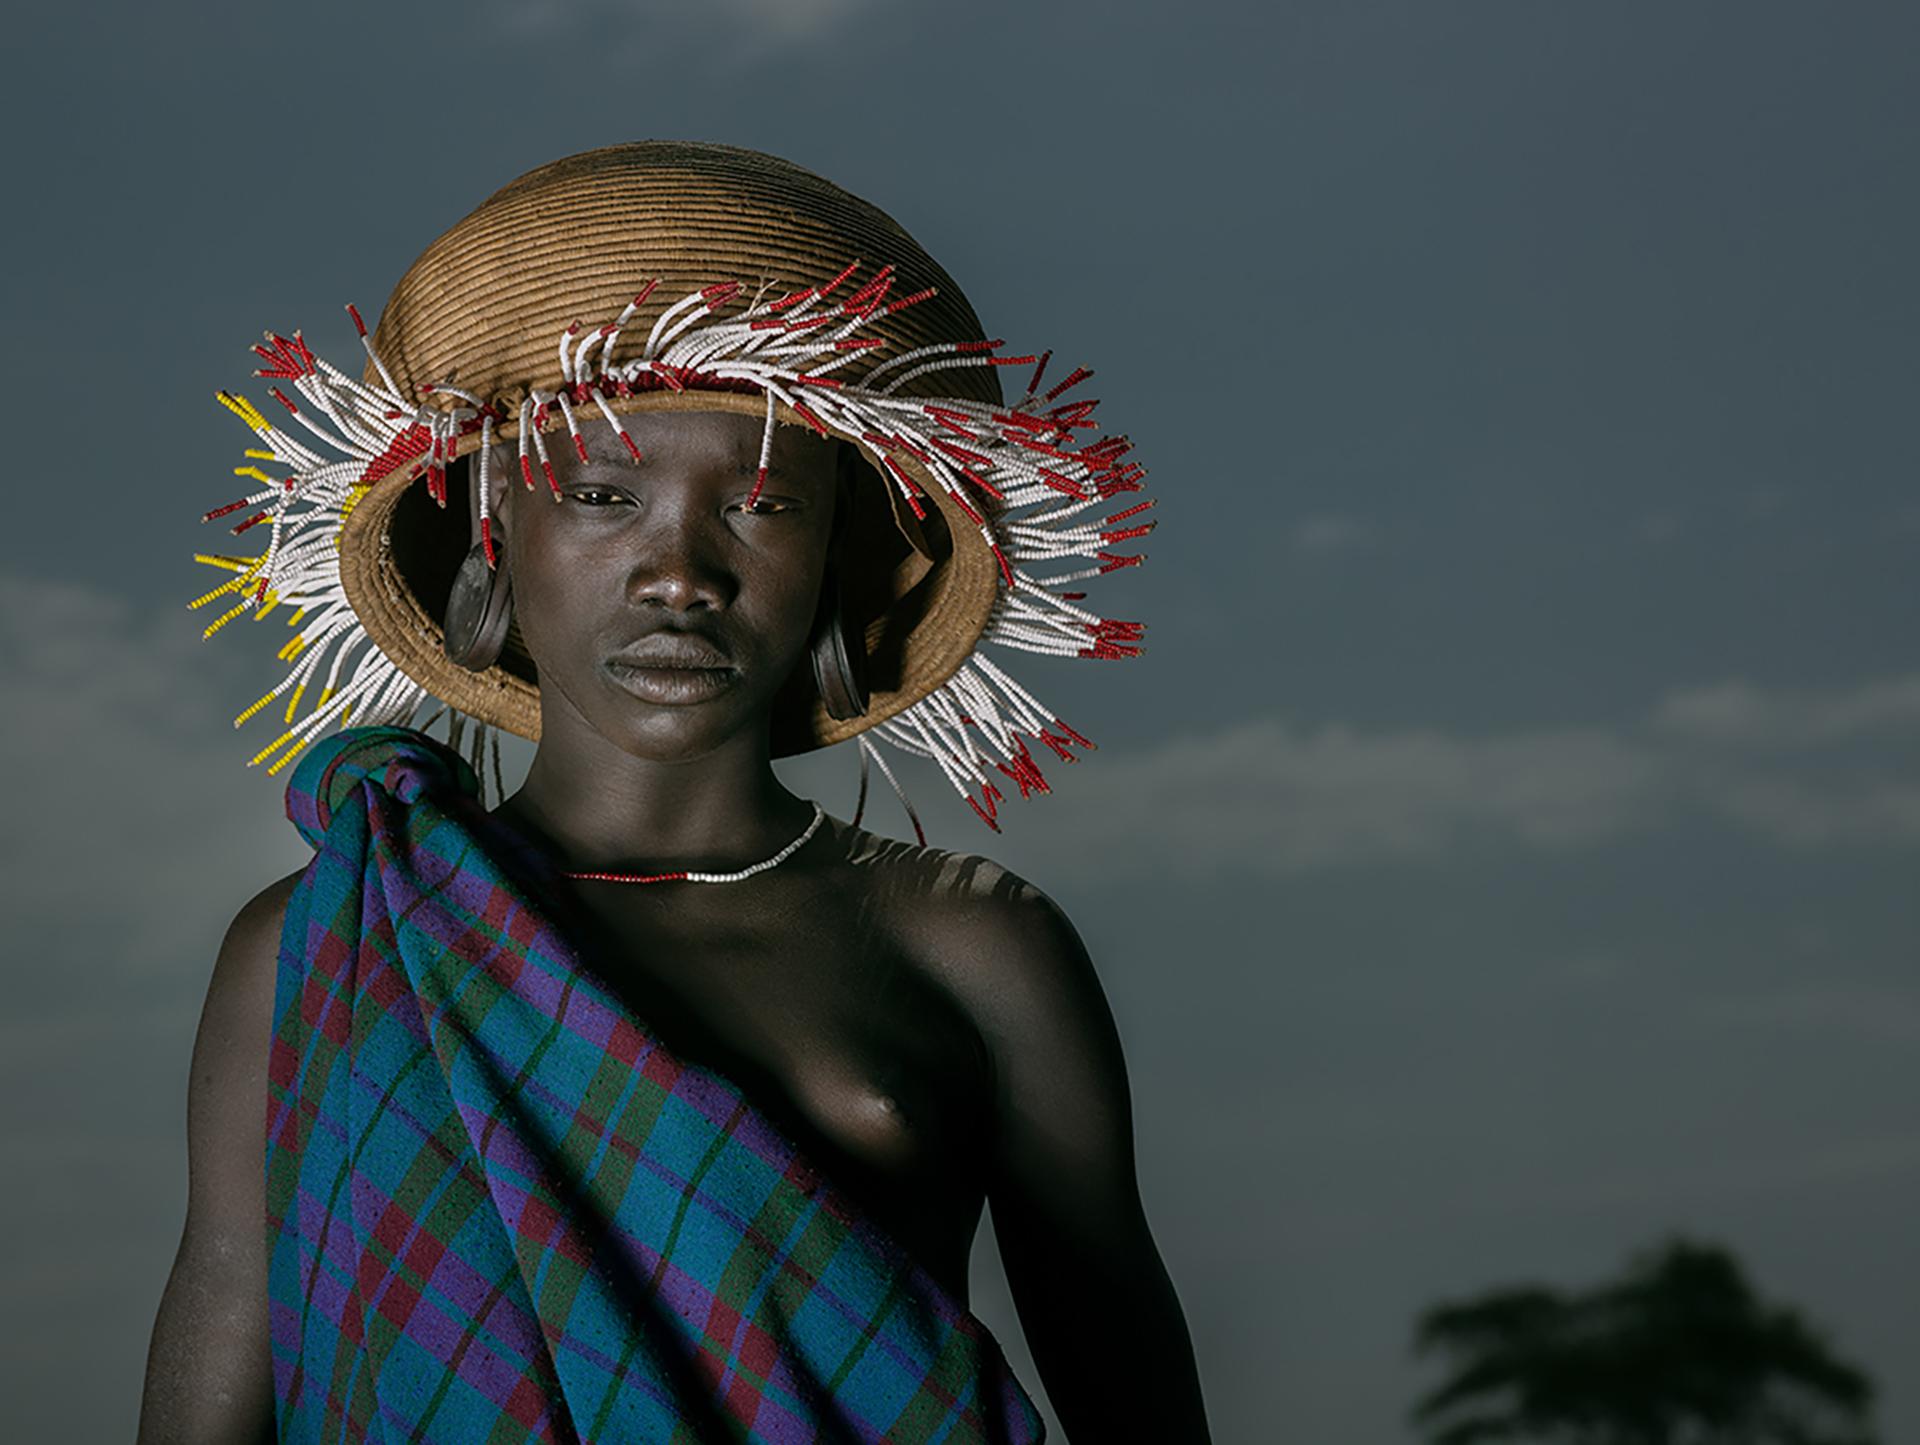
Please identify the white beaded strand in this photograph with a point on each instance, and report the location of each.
(688, 876)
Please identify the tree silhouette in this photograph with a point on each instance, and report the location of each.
(1679, 1351)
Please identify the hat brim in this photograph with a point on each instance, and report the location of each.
(932, 588)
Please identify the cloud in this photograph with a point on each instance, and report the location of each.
(1737, 713)
(1765, 500)
(1809, 815)
(788, 19)
(1273, 797)
(1659, 528)
(1269, 796)
(1859, 1011)
(718, 33)
(1329, 533)
(135, 825)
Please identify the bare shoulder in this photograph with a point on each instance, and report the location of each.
(245, 968)
(945, 894)
(227, 1088)
(254, 933)
(996, 938)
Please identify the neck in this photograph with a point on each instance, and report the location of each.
(595, 806)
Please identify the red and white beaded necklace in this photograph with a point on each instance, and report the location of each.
(687, 876)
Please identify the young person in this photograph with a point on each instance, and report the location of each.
(654, 1103)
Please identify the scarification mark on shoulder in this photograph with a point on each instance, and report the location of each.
(933, 872)
(968, 875)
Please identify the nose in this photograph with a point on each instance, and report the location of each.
(676, 563)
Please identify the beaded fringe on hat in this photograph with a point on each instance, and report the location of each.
(1040, 494)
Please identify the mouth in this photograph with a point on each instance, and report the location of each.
(670, 684)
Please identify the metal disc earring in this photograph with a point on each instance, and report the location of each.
(479, 603)
(839, 653)
(838, 642)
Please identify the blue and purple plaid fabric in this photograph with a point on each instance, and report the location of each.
(500, 1211)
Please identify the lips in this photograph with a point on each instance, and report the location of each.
(676, 650)
(672, 669)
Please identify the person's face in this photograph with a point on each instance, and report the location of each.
(657, 609)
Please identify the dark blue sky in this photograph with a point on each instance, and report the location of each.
(1504, 853)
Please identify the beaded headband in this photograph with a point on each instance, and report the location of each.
(1024, 485)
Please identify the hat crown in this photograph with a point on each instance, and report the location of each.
(575, 239)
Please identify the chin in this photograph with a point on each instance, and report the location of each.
(694, 717)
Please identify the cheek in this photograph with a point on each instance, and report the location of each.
(560, 595)
(786, 600)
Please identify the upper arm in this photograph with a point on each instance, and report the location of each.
(209, 1366)
(1062, 1153)
(1095, 1301)
(227, 1089)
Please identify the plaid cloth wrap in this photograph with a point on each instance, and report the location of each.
(500, 1211)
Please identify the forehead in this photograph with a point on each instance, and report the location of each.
(704, 439)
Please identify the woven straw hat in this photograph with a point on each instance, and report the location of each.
(674, 276)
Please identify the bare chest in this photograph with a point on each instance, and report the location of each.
(805, 998)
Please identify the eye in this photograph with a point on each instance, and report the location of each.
(765, 507)
(596, 496)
